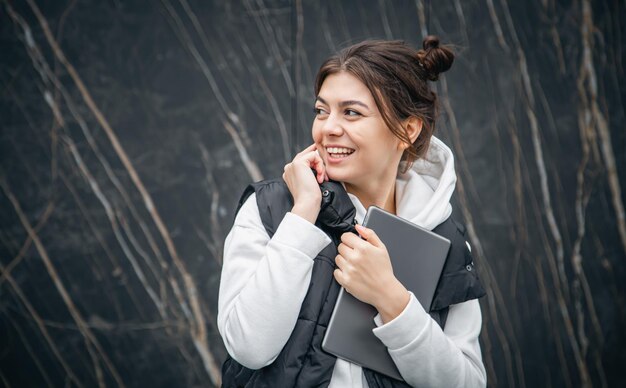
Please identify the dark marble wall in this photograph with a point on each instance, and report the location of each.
(129, 128)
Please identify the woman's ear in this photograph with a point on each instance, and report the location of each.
(413, 127)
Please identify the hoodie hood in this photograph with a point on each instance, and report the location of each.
(423, 193)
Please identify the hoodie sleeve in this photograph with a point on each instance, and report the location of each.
(427, 356)
(263, 283)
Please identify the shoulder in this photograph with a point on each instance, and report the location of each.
(459, 280)
(265, 188)
(248, 212)
(460, 254)
(273, 200)
(275, 185)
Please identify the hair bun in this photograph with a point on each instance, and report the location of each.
(433, 58)
(430, 42)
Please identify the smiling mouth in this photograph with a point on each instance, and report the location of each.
(339, 152)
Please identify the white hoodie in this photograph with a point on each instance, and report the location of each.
(264, 282)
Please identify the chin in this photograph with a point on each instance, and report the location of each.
(339, 176)
(334, 176)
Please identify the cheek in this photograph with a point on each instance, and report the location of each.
(389, 139)
(316, 133)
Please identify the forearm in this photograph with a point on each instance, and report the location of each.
(427, 356)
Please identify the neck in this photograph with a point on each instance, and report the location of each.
(381, 193)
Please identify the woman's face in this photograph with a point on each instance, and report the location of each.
(351, 136)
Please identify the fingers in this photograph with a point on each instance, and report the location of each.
(340, 261)
(369, 235)
(321, 161)
(307, 154)
(340, 277)
(308, 149)
(312, 159)
(342, 271)
(345, 250)
(315, 162)
(312, 156)
(351, 240)
(320, 169)
(339, 273)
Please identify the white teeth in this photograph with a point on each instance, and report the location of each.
(339, 150)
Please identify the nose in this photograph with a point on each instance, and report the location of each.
(332, 126)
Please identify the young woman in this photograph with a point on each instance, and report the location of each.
(375, 116)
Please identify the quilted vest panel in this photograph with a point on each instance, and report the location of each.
(302, 362)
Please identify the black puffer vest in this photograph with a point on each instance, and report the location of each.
(302, 362)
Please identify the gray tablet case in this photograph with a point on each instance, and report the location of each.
(417, 256)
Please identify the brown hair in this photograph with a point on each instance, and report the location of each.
(396, 75)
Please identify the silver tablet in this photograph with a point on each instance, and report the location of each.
(417, 256)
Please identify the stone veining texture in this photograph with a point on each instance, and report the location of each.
(129, 130)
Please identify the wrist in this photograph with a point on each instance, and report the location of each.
(393, 301)
(307, 211)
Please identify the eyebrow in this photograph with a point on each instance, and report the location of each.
(343, 104)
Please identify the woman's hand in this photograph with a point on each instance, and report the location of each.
(303, 185)
(365, 272)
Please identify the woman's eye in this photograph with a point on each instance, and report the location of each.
(319, 111)
(353, 113)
